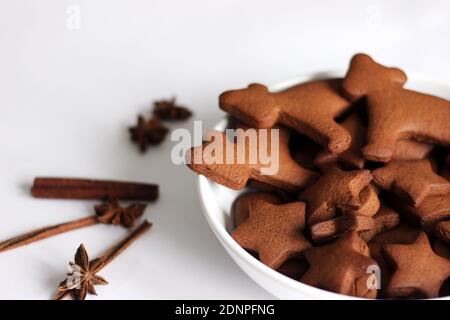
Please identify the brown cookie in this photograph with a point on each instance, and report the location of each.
(365, 75)
(241, 206)
(334, 189)
(370, 204)
(403, 234)
(290, 176)
(412, 180)
(398, 114)
(353, 157)
(385, 219)
(442, 230)
(431, 210)
(418, 270)
(310, 108)
(340, 265)
(336, 227)
(273, 231)
(412, 150)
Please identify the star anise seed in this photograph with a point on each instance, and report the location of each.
(169, 110)
(111, 212)
(81, 276)
(148, 132)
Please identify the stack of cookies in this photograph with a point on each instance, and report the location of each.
(359, 203)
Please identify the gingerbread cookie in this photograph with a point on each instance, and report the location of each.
(366, 226)
(241, 206)
(365, 75)
(336, 227)
(310, 108)
(431, 210)
(210, 159)
(411, 150)
(404, 233)
(385, 219)
(340, 265)
(369, 202)
(418, 270)
(411, 180)
(273, 231)
(353, 157)
(398, 114)
(334, 189)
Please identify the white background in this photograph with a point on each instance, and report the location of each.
(68, 96)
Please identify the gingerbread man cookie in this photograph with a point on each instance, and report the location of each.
(290, 176)
(398, 114)
(353, 157)
(310, 108)
(365, 75)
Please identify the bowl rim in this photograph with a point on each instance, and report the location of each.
(225, 237)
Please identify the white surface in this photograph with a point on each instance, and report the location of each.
(67, 97)
(217, 200)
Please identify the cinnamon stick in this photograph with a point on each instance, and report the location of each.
(75, 188)
(107, 213)
(46, 232)
(114, 251)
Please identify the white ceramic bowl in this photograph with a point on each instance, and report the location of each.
(216, 201)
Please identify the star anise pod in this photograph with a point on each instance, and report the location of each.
(169, 110)
(81, 277)
(111, 212)
(148, 132)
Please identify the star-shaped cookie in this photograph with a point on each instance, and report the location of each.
(310, 108)
(273, 231)
(220, 160)
(419, 271)
(412, 180)
(240, 209)
(365, 75)
(340, 266)
(334, 189)
(431, 210)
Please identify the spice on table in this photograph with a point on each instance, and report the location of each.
(148, 132)
(169, 110)
(107, 213)
(74, 188)
(82, 275)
